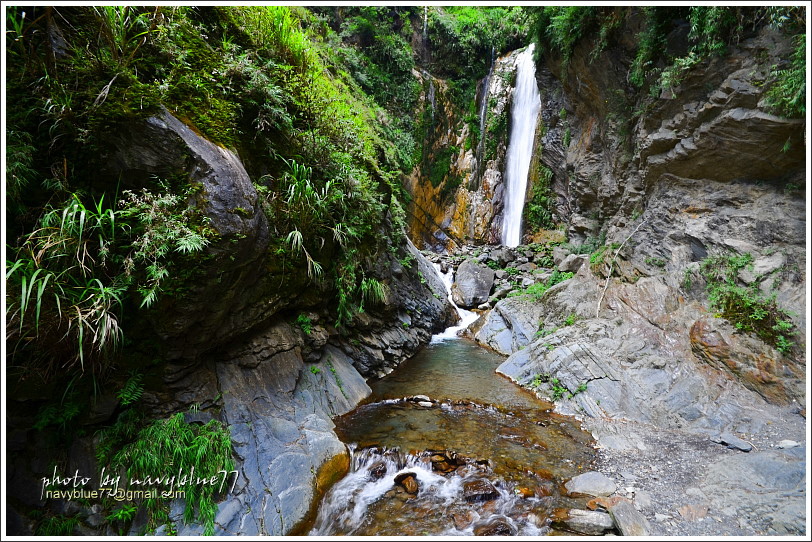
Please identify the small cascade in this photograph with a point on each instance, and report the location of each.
(526, 107)
(466, 317)
(425, 23)
(368, 501)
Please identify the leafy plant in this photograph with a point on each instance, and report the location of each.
(570, 320)
(537, 290)
(58, 525)
(132, 390)
(745, 306)
(315, 370)
(657, 262)
(304, 323)
(788, 93)
(166, 446)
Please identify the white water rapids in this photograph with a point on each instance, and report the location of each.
(526, 107)
(466, 317)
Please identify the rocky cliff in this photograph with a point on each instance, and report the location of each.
(235, 353)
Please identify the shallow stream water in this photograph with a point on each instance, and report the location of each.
(484, 456)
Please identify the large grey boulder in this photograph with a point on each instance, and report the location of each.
(221, 301)
(472, 285)
(591, 483)
(511, 325)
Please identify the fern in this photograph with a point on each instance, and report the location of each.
(132, 390)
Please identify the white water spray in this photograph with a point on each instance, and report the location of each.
(526, 106)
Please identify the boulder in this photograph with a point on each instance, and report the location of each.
(472, 285)
(628, 520)
(408, 481)
(495, 526)
(591, 483)
(572, 263)
(479, 490)
(511, 324)
(585, 522)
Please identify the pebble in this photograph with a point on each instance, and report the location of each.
(788, 444)
(426, 404)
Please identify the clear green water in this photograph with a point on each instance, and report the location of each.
(477, 414)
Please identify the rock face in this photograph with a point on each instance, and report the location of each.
(467, 203)
(511, 325)
(220, 305)
(472, 284)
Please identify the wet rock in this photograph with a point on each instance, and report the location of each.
(525, 492)
(479, 490)
(628, 520)
(441, 463)
(462, 520)
(472, 284)
(734, 442)
(585, 522)
(495, 526)
(425, 404)
(408, 481)
(591, 483)
(377, 470)
(604, 502)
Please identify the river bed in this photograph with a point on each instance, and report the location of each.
(484, 456)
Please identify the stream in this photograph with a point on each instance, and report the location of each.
(444, 446)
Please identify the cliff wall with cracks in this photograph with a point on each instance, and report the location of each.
(703, 171)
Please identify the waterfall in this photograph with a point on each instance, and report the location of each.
(526, 106)
(466, 317)
(425, 23)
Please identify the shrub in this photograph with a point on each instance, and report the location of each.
(163, 448)
(746, 307)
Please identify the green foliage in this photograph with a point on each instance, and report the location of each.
(537, 290)
(58, 525)
(745, 306)
(493, 264)
(571, 319)
(495, 131)
(787, 96)
(132, 390)
(74, 271)
(59, 414)
(304, 323)
(440, 167)
(462, 40)
(124, 514)
(657, 262)
(512, 271)
(562, 27)
(164, 447)
(315, 370)
(538, 211)
(652, 46)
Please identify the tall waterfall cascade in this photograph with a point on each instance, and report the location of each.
(525, 112)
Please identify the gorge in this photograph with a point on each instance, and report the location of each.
(245, 240)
